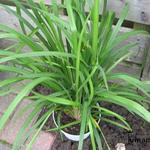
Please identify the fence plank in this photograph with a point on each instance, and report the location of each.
(129, 68)
(145, 69)
(137, 57)
(138, 9)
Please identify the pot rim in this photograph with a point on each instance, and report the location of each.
(87, 133)
(53, 115)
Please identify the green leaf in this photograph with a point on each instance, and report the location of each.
(95, 20)
(36, 54)
(126, 103)
(115, 123)
(57, 100)
(131, 80)
(83, 124)
(119, 23)
(29, 146)
(107, 112)
(71, 15)
(18, 99)
(23, 130)
(92, 134)
(98, 139)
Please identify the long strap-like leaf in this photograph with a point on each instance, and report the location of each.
(27, 89)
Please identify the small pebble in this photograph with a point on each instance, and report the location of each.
(120, 146)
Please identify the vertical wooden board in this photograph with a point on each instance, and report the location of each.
(138, 9)
(145, 74)
(146, 71)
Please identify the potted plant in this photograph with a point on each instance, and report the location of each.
(74, 56)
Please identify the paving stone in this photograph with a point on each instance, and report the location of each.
(10, 131)
(3, 75)
(44, 141)
(8, 134)
(5, 101)
(4, 146)
(1, 114)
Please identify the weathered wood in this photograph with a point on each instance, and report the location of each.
(129, 68)
(139, 11)
(145, 69)
(137, 57)
(132, 66)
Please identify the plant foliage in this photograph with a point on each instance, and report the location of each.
(74, 56)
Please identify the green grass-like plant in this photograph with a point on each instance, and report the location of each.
(74, 56)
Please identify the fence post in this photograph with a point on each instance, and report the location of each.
(145, 68)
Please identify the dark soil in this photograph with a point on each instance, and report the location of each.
(138, 139)
(61, 143)
(42, 90)
(65, 119)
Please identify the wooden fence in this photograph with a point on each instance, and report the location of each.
(138, 18)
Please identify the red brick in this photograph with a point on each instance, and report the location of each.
(1, 114)
(5, 101)
(44, 140)
(12, 127)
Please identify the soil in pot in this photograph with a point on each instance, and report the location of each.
(65, 119)
(64, 143)
(138, 139)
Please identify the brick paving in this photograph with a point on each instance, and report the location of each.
(4, 102)
(8, 134)
(4, 146)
